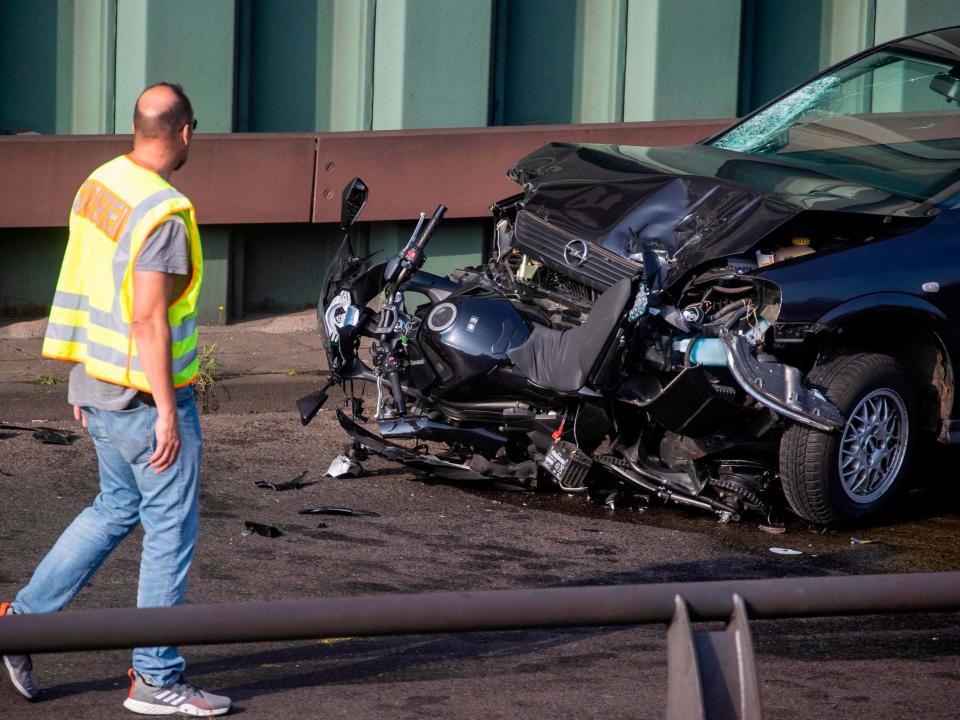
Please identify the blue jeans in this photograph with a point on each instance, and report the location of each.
(166, 504)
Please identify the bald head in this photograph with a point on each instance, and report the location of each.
(161, 112)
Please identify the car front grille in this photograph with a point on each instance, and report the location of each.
(547, 243)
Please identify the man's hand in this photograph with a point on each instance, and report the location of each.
(168, 442)
(79, 416)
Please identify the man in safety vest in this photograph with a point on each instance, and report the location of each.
(125, 312)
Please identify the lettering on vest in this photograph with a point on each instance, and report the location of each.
(101, 207)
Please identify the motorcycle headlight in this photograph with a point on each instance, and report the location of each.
(339, 312)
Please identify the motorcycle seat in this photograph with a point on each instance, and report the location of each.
(563, 359)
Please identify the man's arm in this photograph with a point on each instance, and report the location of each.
(152, 292)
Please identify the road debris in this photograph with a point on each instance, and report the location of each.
(785, 551)
(862, 541)
(269, 531)
(330, 510)
(343, 466)
(46, 435)
(773, 529)
(611, 500)
(294, 484)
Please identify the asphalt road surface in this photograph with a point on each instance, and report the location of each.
(443, 537)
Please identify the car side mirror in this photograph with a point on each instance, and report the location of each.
(354, 198)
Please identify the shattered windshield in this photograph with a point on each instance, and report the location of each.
(890, 120)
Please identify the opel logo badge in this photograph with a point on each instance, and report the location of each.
(575, 253)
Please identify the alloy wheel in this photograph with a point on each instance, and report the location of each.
(874, 445)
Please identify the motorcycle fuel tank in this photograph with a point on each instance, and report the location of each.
(466, 337)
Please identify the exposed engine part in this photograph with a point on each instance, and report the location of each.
(568, 465)
(788, 253)
(749, 482)
(528, 268)
(650, 483)
(503, 238)
(693, 314)
(552, 280)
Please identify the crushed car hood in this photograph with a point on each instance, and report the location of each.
(675, 208)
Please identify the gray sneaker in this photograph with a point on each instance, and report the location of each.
(18, 669)
(181, 698)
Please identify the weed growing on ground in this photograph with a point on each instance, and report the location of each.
(207, 377)
(47, 380)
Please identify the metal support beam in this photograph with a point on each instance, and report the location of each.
(711, 675)
(475, 611)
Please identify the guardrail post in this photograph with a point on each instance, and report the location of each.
(711, 675)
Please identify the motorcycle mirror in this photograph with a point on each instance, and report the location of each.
(354, 198)
(310, 405)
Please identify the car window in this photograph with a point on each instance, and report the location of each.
(887, 120)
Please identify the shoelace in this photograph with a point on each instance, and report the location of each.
(186, 685)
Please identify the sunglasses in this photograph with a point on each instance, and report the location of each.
(193, 124)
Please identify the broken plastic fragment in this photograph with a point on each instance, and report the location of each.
(343, 466)
(47, 435)
(330, 510)
(269, 531)
(294, 484)
(640, 302)
(611, 500)
(773, 529)
(862, 541)
(785, 551)
(50, 436)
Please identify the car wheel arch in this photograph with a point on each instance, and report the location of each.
(864, 325)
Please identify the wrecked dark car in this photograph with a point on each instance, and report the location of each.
(775, 307)
(805, 261)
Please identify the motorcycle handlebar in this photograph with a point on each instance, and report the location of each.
(397, 391)
(424, 238)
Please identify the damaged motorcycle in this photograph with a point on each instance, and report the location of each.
(771, 312)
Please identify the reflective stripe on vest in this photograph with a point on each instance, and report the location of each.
(65, 302)
(113, 214)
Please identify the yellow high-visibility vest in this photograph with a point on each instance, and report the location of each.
(114, 212)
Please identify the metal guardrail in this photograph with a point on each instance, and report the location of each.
(712, 674)
(244, 178)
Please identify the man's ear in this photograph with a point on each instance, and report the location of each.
(185, 134)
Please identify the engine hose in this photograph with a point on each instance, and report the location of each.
(734, 318)
(729, 290)
(727, 309)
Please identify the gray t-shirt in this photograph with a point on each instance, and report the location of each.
(166, 250)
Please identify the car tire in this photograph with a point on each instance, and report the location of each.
(841, 477)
